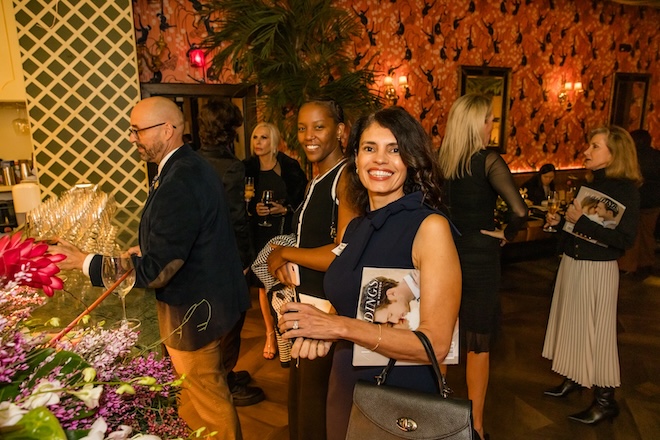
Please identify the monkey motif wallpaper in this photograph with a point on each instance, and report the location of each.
(549, 45)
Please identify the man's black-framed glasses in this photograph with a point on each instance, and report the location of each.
(136, 131)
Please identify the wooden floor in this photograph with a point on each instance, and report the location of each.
(515, 406)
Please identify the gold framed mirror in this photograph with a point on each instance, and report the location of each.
(629, 100)
(494, 82)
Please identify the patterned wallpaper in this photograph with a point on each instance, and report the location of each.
(81, 78)
(542, 42)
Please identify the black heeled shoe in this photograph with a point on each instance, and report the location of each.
(563, 390)
(604, 407)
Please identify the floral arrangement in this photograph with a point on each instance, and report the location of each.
(94, 388)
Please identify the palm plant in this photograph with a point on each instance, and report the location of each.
(293, 50)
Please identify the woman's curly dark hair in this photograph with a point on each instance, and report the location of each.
(218, 120)
(415, 150)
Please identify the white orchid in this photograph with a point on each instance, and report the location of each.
(123, 433)
(97, 431)
(45, 393)
(89, 394)
(10, 413)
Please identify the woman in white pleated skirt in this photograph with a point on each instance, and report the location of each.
(581, 334)
(581, 338)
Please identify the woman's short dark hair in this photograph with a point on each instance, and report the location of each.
(334, 109)
(415, 150)
(545, 169)
(218, 120)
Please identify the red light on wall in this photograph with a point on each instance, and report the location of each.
(197, 58)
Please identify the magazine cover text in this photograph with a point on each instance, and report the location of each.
(391, 296)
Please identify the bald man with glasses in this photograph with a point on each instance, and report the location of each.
(188, 255)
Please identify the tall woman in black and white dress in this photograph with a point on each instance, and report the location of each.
(320, 224)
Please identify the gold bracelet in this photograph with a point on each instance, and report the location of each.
(380, 336)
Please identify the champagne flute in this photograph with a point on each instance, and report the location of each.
(267, 199)
(553, 207)
(249, 190)
(114, 267)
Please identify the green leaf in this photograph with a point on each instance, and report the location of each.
(37, 424)
(70, 363)
(76, 434)
(34, 358)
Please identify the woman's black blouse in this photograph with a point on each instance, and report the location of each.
(618, 239)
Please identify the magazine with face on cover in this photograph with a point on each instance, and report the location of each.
(599, 208)
(391, 296)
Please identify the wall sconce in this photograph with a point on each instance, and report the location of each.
(566, 89)
(197, 58)
(390, 91)
(403, 83)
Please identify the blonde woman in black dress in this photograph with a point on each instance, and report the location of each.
(271, 170)
(475, 177)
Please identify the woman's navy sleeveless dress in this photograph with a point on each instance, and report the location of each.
(382, 238)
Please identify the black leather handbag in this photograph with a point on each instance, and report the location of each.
(382, 412)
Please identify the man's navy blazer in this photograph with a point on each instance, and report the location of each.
(189, 254)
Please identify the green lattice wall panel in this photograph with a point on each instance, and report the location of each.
(80, 67)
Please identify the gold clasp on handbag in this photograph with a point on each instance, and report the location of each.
(406, 424)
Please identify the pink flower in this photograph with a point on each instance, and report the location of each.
(27, 263)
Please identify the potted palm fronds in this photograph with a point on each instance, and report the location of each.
(292, 50)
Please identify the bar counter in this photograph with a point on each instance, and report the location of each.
(78, 293)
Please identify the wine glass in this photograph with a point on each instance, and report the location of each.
(249, 190)
(114, 267)
(267, 199)
(553, 207)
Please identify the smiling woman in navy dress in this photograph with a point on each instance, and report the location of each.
(393, 177)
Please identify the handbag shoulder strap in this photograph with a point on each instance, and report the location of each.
(443, 389)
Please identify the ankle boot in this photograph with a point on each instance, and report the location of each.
(563, 390)
(604, 407)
